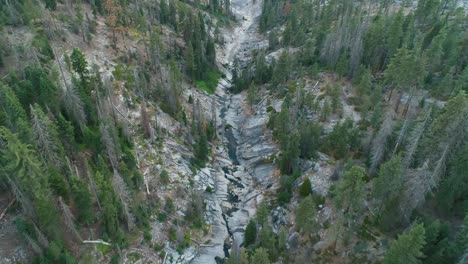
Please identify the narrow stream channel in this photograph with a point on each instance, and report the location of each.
(230, 206)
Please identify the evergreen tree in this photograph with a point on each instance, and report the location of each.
(79, 63)
(350, 193)
(454, 188)
(290, 154)
(163, 12)
(50, 4)
(306, 188)
(407, 248)
(310, 139)
(388, 185)
(201, 149)
(405, 71)
(250, 233)
(13, 115)
(305, 216)
(260, 256)
(83, 202)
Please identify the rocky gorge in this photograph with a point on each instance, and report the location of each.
(241, 169)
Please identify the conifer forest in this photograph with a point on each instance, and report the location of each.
(234, 131)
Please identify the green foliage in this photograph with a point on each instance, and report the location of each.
(13, 115)
(56, 253)
(250, 233)
(453, 192)
(305, 216)
(350, 191)
(260, 256)
(288, 158)
(79, 63)
(50, 4)
(271, 14)
(58, 184)
(210, 83)
(407, 248)
(388, 187)
(164, 177)
(38, 88)
(262, 214)
(194, 212)
(83, 202)
(343, 138)
(282, 70)
(41, 42)
(310, 139)
(306, 188)
(201, 150)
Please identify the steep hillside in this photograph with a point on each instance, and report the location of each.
(106, 121)
(233, 131)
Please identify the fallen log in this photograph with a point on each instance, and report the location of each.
(6, 209)
(97, 242)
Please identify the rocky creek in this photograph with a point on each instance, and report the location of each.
(240, 171)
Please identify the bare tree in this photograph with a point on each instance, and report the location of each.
(93, 185)
(35, 247)
(26, 204)
(108, 132)
(69, 219)
(108, 141)
(46, 137)
(414, 139)
(145, 121)
(120, 189)
(378, 144)
(74, 106)
(416, 184)
(401, 135)
(41, 238)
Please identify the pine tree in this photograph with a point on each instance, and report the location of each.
(260, 256)
(79, 63)
(250, 233)
(26, 175)
(395, 35)
(83, 202)
(13, 115)
(404, 72)
(262, 214)
(454, 187)
(407, 248)
(251, 95)
(290, 154)
(50, 4)
(389, 183)
(172, 16)
(201, 149)
(310, 138)
(305, 216)
(266, 238)
(306, 188)
(190, 60)
(350, 192)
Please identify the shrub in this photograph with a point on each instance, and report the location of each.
(250, 233)
(164, 177)
(305, 189)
